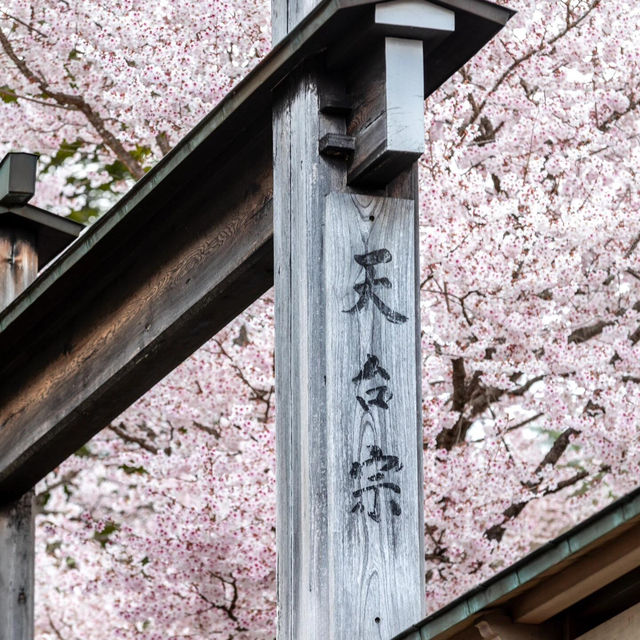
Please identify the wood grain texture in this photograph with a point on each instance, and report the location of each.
(18, 269)
(301, 180)
(388, 111)
(375, 552)
(496, 626)
(286, 14)
(404, 95)
(625, 626)
(18, 262)
(310, 600)
(161, 291)
(588, 574)
(17, 553)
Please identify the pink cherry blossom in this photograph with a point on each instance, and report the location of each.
(163, 525)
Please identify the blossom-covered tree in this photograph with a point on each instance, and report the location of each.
(163, 525)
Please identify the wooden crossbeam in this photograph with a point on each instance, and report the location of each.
(183, 253)
(180, 256)
(132, 308)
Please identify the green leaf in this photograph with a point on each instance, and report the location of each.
(84, 452)
(52, 547)
(66, 150)
(43, 498)
(133, 470)
(103, 536)
(140, 153)
(84, 215)
(117, 171)
(7, 94)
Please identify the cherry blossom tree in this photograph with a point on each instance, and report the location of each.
(163, 525)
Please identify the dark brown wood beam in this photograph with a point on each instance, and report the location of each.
(582, 578)
(131, 309)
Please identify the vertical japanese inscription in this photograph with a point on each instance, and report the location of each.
(376, 469)
(380, 395)
(366, 289)
(374, 436)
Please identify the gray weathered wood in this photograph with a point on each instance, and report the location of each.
(17, 178)
(417, 14)
(286, 14)
(301, 180)
(18, 268)
(375, 557)
(388, 124)
(18, 262)
(313, 600)
(318, 597)
(17, 556)
(404, 92)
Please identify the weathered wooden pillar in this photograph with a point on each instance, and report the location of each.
(17, 560)
(18, 268)
(29, 237)
(348, 129)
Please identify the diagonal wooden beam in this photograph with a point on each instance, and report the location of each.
(179, 256)
(497, 626)
(580, 579)
(127, 313)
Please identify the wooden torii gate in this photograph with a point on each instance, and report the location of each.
(305, 174)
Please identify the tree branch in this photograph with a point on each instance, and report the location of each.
(120, 432)
(496, 532)
(79, 104)
(478, 109)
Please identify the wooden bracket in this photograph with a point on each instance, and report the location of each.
(334, 102)
(388, 88)
(337, 145)
(416, 18)
(388, 126)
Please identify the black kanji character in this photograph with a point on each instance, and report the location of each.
(382, 464)
(365, 289)
(371, 369)
(381, 393)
